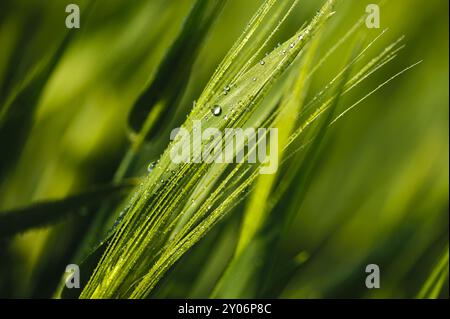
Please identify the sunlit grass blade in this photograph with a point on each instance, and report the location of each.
(146, 218)
(154, 108)
(435, 282)
(232, 285)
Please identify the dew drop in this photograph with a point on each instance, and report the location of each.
(216, 110)
(254, 79)
(292, 45)
(150, 167)
(262, 62)
(227, 88)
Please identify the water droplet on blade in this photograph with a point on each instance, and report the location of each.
(216, 110)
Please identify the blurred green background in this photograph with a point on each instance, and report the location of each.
(380, 195)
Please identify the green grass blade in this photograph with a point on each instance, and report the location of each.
(16, 118)
(155, 106)
(46, 212)
(141, 235)
(433, 285)
(256, 211)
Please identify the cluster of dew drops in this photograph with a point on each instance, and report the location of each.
(216, 110)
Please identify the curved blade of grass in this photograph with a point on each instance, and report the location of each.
(302, 176)
(154, 108)
(290, 108)
(222, 74)
(255, 218)
(235, 50)
(21, 46)
(87, 266)
(364, 73)
(433, 285)
(235, 281)
(231, 290)
(46, 212)
(16, 118)
(255, 213)
(373, 92)
(139, 237)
